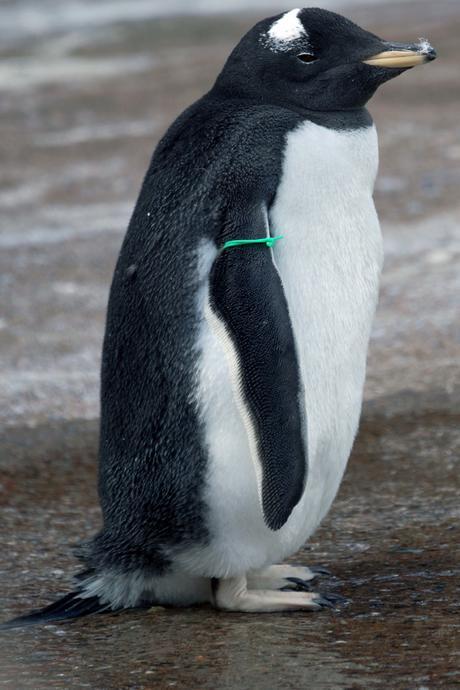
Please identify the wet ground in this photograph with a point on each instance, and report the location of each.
(81, 111)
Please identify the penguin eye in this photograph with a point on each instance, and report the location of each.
(306, 57)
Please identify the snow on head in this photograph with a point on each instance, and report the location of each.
(285, 31)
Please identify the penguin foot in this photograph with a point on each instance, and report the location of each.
(232, 594)
(284, 577)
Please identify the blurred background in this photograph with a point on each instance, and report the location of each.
(87, 87)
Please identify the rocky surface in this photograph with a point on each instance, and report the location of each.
(81, 112)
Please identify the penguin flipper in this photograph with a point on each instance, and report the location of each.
(249, 312)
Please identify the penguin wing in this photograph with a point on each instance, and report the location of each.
(249, 312)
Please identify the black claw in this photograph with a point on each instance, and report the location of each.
(330, 600)
(320, 570)
(302, 585)
(324, 602)
(336, 598)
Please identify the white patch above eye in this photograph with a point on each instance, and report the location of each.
(424, 46)
(285, 31)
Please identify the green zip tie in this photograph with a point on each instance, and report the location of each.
(268, 241)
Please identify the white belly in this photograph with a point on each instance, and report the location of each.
(329, 262)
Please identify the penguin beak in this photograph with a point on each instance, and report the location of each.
(402, 56)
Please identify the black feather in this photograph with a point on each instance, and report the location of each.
(70, 606)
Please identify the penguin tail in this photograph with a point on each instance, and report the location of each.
(70, 606)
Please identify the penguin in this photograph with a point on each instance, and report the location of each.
(237, 328)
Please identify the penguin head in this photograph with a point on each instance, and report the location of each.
(316, 60)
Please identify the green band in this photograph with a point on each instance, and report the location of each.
(268, 241)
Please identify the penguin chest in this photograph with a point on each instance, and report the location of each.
(329, 262)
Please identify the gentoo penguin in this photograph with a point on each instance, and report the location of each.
(238, 325)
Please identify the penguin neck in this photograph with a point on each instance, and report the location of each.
(345, 119)
(338, 119)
